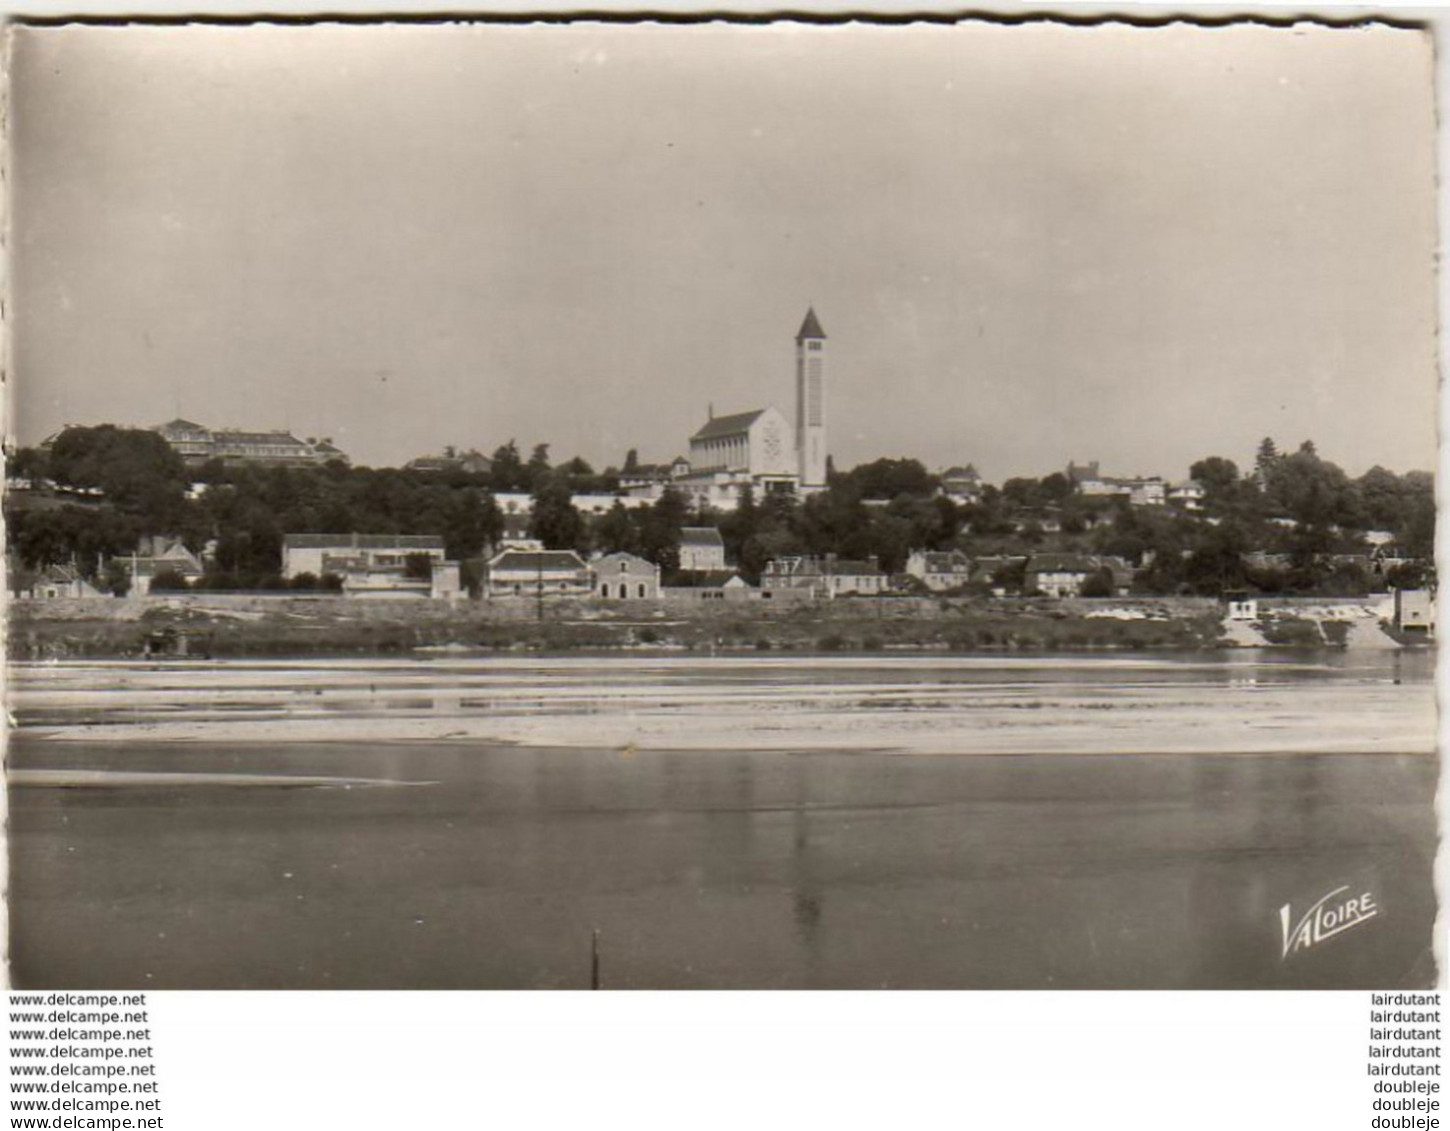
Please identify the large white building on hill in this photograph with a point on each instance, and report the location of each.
(197, 444)
(760, 449)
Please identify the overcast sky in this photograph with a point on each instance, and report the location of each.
(1027, 244)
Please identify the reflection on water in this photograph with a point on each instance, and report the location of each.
(717, 870)
(795, 867)
(48, 695)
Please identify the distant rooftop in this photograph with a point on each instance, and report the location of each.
(537, 560)
(728, 425)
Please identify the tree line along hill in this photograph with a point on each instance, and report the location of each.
(1294, 523)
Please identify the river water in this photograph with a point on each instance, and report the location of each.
(746, 823)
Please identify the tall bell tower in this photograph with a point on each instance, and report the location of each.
(810, 402)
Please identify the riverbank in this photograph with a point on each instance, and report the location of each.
(224, 626)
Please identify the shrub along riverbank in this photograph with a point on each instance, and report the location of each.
(312, 626)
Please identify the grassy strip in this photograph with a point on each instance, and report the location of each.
(342, 628)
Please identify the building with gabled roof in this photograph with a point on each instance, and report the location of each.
(649, 480)
(328, 452)
(711, 585)
(49, 582)
(625, 577)
(1139, 490)
(198, 444)
(1064, 575)
(156, 554)
(1188, 494)
(191, 441)
(730, 453)
(375, 565)
(334, 553)
(719, 428)
(276, 448)
(939, 570)
(751, 442)
(537, 573)
(824, 577)
(701, 549)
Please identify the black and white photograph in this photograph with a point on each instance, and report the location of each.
(721, 506)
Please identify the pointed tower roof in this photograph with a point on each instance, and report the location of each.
(811, 327)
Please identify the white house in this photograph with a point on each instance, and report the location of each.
(701, 549)
(1064, 575)
(848, 577)
(648, 481)
(442, 582)
(51, 582)
(939, 570)
(826, 577)
(375, 565)
(537, 573)
(1415, 611)
(625, 577)
(155, 555)
(356, 553)
(1188, 494)
(197, 444)
(1241, 605)
(1140, 490)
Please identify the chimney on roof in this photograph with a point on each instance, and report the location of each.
(711, 411)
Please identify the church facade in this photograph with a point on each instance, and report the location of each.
(761, 449)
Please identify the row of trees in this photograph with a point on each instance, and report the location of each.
(1297, 491)
(1314, 492)
(510, 472)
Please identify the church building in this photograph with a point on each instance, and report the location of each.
(760, 449)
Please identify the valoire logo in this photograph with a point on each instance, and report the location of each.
(1333, 914)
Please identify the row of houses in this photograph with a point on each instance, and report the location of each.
(1067, 574)
(378, 565)
(1139, 490)
(416, 566)
(1053, 574)
(402, 566)
(532, 572)
(375, 565)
